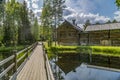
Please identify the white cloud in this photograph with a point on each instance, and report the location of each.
(34, 5)
(76, 9)
(38, 12)
(34, 1)
(84, 73)
(81, 5)
(81, 17)
(117, 15)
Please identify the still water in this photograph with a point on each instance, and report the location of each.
(82, 72)
(69, 69)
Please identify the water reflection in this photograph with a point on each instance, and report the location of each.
(84, 73)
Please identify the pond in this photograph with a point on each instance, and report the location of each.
(72, 68)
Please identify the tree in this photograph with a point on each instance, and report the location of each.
(114, 21)
(16, 23)
(10, 28)
(35, 30)
(58, 6)
(46, 18)
(51, 17)
(87, 23)
(97, 23)
(108, 22)
(25, 35)
(118, 3)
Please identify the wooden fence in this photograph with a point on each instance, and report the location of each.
(49, 72)
(22, 55)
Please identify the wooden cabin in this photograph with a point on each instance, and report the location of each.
(103, 34)
(68, 34)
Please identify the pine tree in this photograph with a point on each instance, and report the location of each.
(35, 30)
(10, 29)
(25, 35)
(87, 23)
(51, 17)
(114, 21)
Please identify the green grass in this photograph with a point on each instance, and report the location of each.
(106, 50)
(100, 50)
(8, 49)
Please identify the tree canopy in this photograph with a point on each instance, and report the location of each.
(118, 3)
(51, 16)
(16, 24)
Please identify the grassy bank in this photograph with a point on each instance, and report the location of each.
(101, 50)
(8, 49)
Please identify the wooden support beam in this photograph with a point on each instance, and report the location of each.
(88, 42)
(79, 39)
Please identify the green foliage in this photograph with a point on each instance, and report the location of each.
(35, 30)
(114, 21)
(106, 50)
(1, 33)
(117, 3)
(8, 49)
(108, 22)
(15, 24)
(102, 50)
(51, 17)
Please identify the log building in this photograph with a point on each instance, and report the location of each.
(103, 34)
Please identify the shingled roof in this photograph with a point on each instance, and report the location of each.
(111, 26)
(75, 26)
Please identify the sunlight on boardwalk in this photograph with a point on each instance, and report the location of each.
(34, 69)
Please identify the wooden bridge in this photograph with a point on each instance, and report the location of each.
(33, 65)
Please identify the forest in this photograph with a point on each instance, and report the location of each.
(18, 24)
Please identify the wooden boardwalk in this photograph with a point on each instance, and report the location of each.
(34, 69)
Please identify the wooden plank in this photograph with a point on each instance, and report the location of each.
(34, 69)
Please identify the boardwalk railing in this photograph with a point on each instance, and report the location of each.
(18, 61)
(49, 73)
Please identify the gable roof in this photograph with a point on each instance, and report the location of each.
(74, 26)
(111, 26)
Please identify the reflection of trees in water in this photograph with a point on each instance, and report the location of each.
(68, 62)
(56, 70)
(64, 64)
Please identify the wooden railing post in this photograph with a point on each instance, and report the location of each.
(15, 61)
(27, 52)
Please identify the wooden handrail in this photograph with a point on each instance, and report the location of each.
(22, 57)
(6, 60)
(49, 71)
(6, 70)
(50, 75)
(14, 58)
(24, 50)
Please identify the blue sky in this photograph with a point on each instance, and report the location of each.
(81, 10)
(103, 7)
